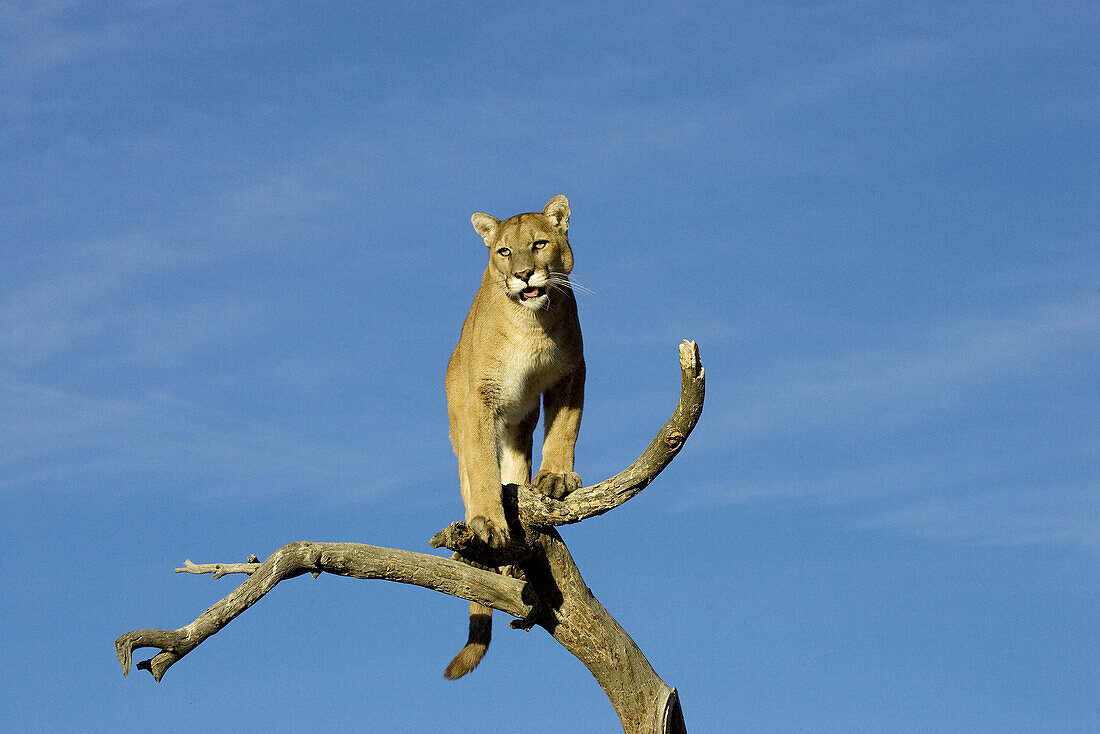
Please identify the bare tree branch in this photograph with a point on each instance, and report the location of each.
(344, 559)
(538, 509)
(552, 595)
(219, 569)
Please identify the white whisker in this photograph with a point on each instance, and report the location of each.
(581, 288)
(559, 281)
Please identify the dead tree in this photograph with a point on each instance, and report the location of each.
(551, 593)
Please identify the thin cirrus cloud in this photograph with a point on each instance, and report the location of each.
(63, 441)
(921, 360)
(43, 35)
(1008, 515)
(967, 429)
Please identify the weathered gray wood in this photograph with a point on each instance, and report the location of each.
(582, 625)
(358, 560)
(538, 509)
(552, 595)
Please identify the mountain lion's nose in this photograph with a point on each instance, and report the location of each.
(523, 274)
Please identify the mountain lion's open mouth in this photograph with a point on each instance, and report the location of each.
(531, 292)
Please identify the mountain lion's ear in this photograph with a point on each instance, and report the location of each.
(557, 209)
(485, 224)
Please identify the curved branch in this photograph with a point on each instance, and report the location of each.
(357, 560)
(554, 595)
(540, 510)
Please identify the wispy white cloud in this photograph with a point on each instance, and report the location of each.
(90, 329)
(64, 300)
(68, 293)
(922, 366)
(1003, 516)
(945, 430)
(46, 34)
(965, 348)
(65, 441)
(921, 496)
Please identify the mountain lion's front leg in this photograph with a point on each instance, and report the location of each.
(479, 437)
(563, 403)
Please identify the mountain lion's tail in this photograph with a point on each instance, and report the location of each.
(481, 631)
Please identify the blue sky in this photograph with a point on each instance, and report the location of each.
(237, 254)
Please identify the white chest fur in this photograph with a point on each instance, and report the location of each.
(530, 363)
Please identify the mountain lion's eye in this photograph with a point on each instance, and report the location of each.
(504, 252)
(539, 244)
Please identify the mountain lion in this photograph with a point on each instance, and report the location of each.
(521, 340)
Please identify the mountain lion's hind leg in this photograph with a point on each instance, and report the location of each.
(515, 449)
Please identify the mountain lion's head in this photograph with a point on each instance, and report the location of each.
(529, 253)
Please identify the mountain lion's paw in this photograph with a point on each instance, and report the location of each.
(557, 484)
(494, 535)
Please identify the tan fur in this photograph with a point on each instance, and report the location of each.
(521, 341)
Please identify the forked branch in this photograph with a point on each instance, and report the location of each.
(553, 594)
